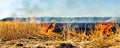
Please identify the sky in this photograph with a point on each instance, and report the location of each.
(61, 8)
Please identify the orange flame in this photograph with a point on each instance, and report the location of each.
(48, 28)
(52, 28)
(105, 28)
(45, 27)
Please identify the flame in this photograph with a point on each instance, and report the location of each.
(52, 28)
(48, 28)
(105, 28)
(45, 27)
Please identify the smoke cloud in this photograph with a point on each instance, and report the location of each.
(61, 8)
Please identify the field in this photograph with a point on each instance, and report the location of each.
(16, 34)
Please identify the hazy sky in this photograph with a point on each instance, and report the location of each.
(72, 8)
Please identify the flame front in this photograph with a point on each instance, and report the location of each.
(105, 28)
(48, 28)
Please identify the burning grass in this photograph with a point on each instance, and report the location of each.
(101, 37)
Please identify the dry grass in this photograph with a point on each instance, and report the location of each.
(11, 30)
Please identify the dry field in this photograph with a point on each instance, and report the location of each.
(15, 34)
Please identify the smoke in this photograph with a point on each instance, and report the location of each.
(66, 8)
(59, 8)
(33, 8)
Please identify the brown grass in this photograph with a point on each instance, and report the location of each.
(15, 30)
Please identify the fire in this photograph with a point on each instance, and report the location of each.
(45, 27)
(48, 28)
(52, 28)
(105, 28)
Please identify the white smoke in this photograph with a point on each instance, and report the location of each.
(61, 8)
(64, 8)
